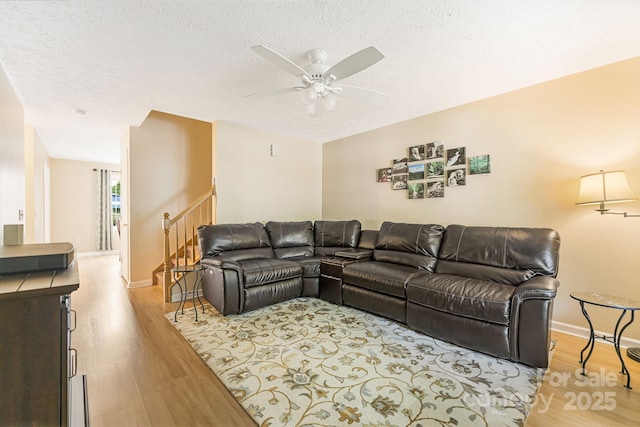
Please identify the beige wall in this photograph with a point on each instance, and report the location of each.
(254, 186)
(37, 167)
(12, 174)
(541, 140)
(73, 202)
(169, 167)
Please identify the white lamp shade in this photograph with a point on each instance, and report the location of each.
(604, 187)
(329, 101)
(309, 96)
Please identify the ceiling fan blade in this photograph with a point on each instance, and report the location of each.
(274, 92)
(361, 93)
(354, 63)
(276, 59)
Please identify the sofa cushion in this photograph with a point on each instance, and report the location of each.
(310, 265)
(290, 239)
(262, 271)
(484, 272)
(534, 249)
(251, 240)
(472, 298)
(414, 245)
(368, 239)
(387, 278)
(272, 293)
(331, 236)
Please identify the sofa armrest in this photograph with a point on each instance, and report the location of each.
(355, 254)
(530, 321)
(538, 287)
(222, 262)
(222, 284)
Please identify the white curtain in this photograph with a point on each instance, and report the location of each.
(104, 220)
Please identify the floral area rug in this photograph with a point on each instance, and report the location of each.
(307, 362)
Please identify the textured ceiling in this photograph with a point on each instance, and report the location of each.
(117, 60)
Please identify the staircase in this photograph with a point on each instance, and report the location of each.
(192, 257)
(181, 238)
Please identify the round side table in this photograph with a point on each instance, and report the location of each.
(180, 274)
(607, 301)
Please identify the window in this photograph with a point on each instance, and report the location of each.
(115, 199)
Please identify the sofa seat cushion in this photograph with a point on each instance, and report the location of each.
(462, 296)
(384, 277)
(310, 265)
(258, 272)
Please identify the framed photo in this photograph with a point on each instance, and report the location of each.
(416, 153)
(384, 175)
(456, 157)
(435, 150)
(435, 169)
(415, 190)
(479, 164)
(399, 166)
(456, 177)
(399, 182)
(416, 171)
(435, 189)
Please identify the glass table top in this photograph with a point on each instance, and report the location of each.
(606, 300)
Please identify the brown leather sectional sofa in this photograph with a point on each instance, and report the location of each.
(490, 289)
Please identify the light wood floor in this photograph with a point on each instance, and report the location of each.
(141, 372)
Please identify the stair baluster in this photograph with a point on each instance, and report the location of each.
(200, 211)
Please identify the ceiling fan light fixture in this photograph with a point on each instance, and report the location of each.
(311, 109)
(309, 96)
(317, 78)
(329, 101)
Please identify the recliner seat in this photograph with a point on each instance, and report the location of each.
(250, 266)
(485, 280)
(402, 251)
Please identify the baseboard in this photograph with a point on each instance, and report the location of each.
(579, 331)
(140, 284)
(83, 254)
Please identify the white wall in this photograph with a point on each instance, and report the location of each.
(74, 201)
(541, 140)
(12, 173)
(37, 187)
(169, 167)
(254, 186)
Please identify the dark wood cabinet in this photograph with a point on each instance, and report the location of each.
(36, 361)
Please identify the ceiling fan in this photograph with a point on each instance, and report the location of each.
(318, 80)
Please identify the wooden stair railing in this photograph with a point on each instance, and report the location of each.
(181, 238)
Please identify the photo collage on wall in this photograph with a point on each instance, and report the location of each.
(429, 168)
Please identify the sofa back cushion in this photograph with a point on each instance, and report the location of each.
(368, 239)
(291, 239)
(505, 276)
(332, 236)
(236, 241)
(414, 245)
(529, 251)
